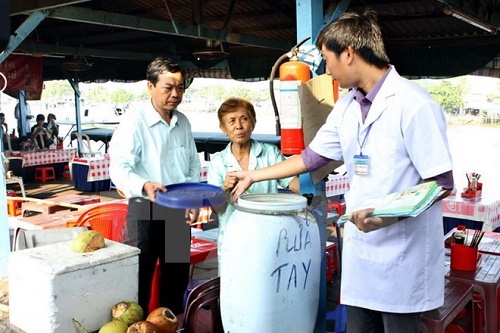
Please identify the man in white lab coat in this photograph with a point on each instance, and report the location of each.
(391, 135)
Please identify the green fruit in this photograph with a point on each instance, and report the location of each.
(114, 326)
(87, 241)
(127, 311)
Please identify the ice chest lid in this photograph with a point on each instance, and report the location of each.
(58, 258)
(191, 195)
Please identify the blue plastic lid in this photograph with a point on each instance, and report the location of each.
(191, 195)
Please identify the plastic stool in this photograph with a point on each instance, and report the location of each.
(13, 206)
(45, 173)
(339, 208)
(332, 264)
(456, 296)
(336, 206)
(66, 172)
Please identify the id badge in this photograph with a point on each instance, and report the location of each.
(361, 163)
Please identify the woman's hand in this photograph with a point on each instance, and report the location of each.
(229, 182)
(244, 181)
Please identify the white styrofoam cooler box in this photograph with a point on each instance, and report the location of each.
(50, 285)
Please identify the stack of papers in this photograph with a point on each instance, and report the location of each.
(407, 203)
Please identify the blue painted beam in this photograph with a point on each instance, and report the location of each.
(76, 89)
(22, 32)
(309, 19)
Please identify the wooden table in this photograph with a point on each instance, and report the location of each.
(59, 219)
(52, 205)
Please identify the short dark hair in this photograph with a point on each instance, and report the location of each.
(160, 65)
(2, 114)
(359, 31)
(40, 117)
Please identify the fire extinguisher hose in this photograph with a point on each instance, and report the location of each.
(271, 87)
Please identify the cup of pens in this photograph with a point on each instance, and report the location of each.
(464, 257)
(474, 186)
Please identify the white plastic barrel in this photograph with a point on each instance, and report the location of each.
(270, 266)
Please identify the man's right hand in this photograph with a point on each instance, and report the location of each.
(150, 189)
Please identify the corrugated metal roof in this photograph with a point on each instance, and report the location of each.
(119, 35)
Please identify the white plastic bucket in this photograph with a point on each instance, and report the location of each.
(270, 269)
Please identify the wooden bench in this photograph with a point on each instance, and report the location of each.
(52, 205)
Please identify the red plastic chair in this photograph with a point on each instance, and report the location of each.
(109, 219)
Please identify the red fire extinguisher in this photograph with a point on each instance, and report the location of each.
(288, 120)
(292, 74)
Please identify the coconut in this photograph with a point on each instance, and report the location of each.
(127, 311)
(143, 326)
(87, 241)
(114, 326)
(164, 319)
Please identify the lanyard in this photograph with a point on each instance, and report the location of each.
(361, 144)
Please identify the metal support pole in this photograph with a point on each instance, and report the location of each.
(320, 213)
(24, 30)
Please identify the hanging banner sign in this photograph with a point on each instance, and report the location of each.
(23, 73)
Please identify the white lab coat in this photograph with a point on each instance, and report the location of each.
(400, 268)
